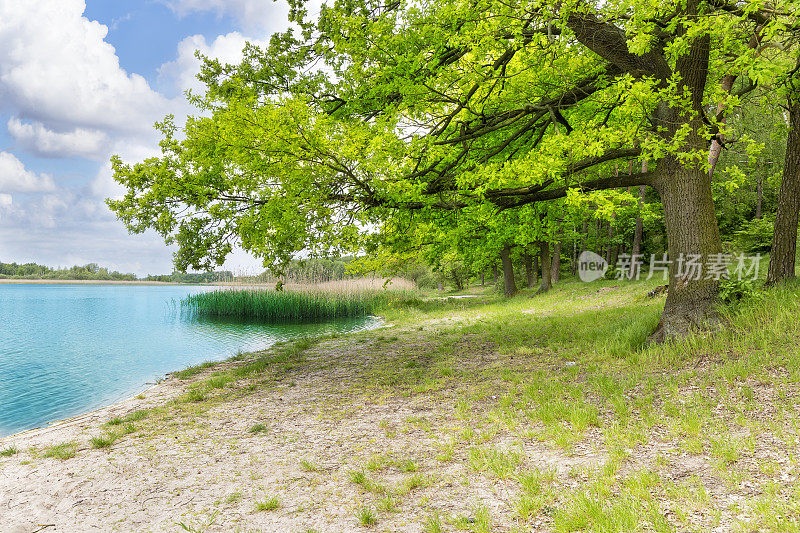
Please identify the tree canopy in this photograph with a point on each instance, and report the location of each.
(350, 126)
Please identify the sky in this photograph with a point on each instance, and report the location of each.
(82, 80)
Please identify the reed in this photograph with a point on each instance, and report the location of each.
(292, 305)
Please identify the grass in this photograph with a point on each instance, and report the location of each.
(367, 517)
(558, 404)
(9, 451)
(257, 428)
(61, 451)
(310, 466)
(270, 504)
(104, 441)
(132, 417)
(291, 306)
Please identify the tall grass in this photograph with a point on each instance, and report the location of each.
(292, 306)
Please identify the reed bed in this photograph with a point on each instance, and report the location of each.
(307, 305)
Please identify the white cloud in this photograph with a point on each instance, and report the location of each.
(48, 143)
(14, 177)
(264, 16)
(57, 68)
(66, 95)
(181, 74)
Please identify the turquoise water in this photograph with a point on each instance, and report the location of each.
(68, 349)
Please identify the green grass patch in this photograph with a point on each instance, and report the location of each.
(257, 428)
(8, 452)
(62, 451)
(270, 504)
(291, 306)
(104, 441)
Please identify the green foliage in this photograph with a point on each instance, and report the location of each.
(290, 306)
(733, 290)
(755, 235)
(90, 271)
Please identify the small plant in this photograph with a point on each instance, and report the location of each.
(416, 481)
(734, 290)
(376, 462)
(270, 504)
(136, 416)
(61, 451)
(433, 524)
(114, 421)
(104, 441)
(483, 521)
(193, 370)
(389, 503)
(233, 497)
(309, 466)
(407, 466)
(8, 452)
(358, 477)
(195, 395)
(366, 516)
(257, 428)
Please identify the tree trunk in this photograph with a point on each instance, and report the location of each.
(692, 230)
(582, 246)
(536, 270)
(509, 287)
(598, 237)
(760, 196)
(483, 280)
(638, 232)
(494, 273)
(544, 254)
(784, 240)
(555, 267)
(530, 274)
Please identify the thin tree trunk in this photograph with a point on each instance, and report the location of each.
(536, 270)
(716, 146)
(584, 239)
(610, 249)
(483, 280)
(784, 240)
(555, 266)
(530, 274)
(598, 237)
(544, 254)
(638, 232)
(509, 286)
(494, 273)
(760, 195)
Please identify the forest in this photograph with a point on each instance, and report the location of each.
(468, 135)
(90, 271)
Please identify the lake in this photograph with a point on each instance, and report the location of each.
(68, 349)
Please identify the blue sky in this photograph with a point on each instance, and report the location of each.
(83, 80)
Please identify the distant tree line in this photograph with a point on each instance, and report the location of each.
(192, 277)
(91, 271)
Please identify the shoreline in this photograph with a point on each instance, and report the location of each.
(87, 282)
(155, 394)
